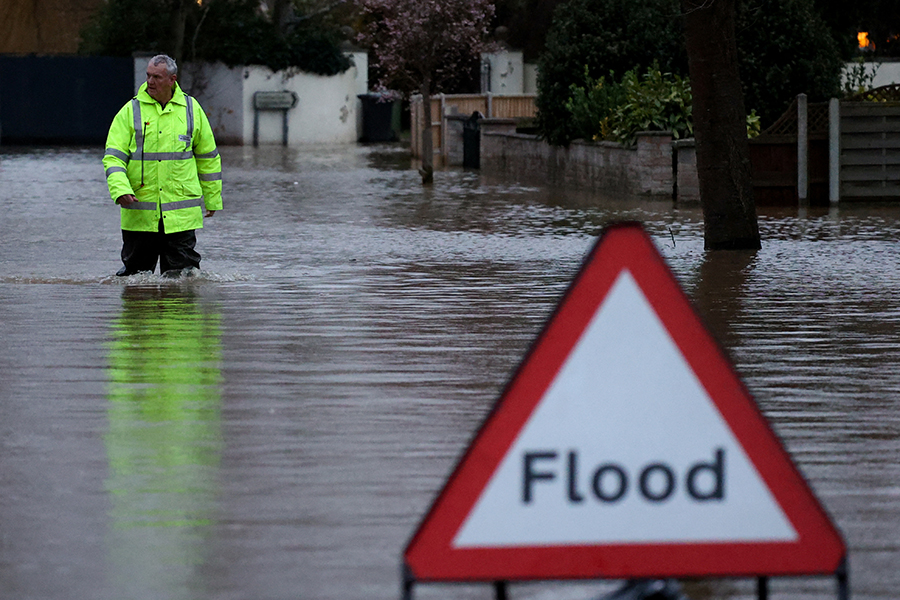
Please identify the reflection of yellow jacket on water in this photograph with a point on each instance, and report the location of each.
(164, 437)
(166, 158)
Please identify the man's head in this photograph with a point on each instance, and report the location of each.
(161, 75)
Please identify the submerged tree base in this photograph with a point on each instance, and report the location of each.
(748, 243)
(720, 126)
(733, 227)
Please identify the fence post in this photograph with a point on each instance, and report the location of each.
(802, 147)
(443, 136)
(413, 117)
(834, 150)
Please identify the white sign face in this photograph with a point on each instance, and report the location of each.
(626, 446)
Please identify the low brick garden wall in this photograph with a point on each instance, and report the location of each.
(650, 167)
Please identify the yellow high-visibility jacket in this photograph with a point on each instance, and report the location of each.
(165, 157)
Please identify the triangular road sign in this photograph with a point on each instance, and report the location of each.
(625, 446)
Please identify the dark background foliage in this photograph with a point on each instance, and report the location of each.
(527, 23)
(785, 47)
(879, 18)
(235, 33)
(231, 31)
(122, 27)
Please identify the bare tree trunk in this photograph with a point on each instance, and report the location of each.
(179, 16)
(280, 15)
(427, 170)
(720, 126)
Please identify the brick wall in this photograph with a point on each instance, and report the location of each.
(644, 169)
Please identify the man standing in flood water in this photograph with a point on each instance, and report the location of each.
(162, 168)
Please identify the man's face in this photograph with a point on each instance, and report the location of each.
(159, 82)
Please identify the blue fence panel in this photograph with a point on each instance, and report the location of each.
(61, 99)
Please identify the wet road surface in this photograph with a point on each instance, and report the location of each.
(276, 427)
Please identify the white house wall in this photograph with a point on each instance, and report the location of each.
(886, 73)
(219, 90)
(507, 73)
(327, 110)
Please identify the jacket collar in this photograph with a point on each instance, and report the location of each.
(177, 95)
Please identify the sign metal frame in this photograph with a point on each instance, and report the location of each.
(820, 550)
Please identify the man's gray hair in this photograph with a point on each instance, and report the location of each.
(171, 67)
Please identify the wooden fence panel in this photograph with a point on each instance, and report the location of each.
(870, 150)
(465, 104)
(509, 107)
(774, 164)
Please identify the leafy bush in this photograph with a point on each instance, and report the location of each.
(604, 36)
(754, 124)
(591, 105)
(858, 78)
(616, 111)
(122, 27)
(654, 101)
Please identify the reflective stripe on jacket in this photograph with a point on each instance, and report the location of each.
(165, 157)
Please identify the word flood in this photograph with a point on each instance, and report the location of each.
(611, 482)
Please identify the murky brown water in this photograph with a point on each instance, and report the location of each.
(275, 428)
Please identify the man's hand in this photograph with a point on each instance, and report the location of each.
(127, 200)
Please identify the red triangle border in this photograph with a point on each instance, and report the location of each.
(429, 556)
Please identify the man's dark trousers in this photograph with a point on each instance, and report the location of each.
(175, 251)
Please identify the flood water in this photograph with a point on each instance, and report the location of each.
(276, 427)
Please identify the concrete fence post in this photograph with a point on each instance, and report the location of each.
(442, 129)
(802, 147)
(834, 150)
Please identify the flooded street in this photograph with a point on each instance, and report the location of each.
(276, 427)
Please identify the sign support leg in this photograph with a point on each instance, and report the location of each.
(762, 588)
(408, 582)
(500, 590)
(843, 581)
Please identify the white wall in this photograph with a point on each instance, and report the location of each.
(328, 110)
(531, 77)
(507, 72)
(219, 90)
(886, 73)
